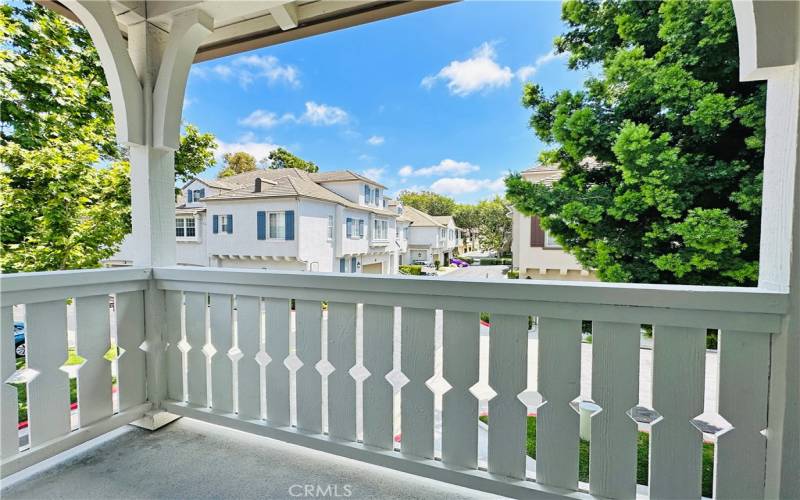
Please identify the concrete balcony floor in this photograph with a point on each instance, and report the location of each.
(192, 459)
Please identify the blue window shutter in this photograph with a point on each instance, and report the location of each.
(189, 192)
(261, 225)
(353, 263)
(230, 224)
(289, 224)
(342, 263)
(349, 227)
(202, 192)
(216, 224)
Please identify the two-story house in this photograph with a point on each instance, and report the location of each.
(428, 238)
(535, 253)
(286, 219)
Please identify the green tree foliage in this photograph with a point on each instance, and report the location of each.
(64, 187)
(494, 225)
(429, 202)
(237, 163)
(467, 216)
(196, 153)
(674, 195)
(281, 158)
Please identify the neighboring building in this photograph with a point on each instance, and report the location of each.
(286, 219)
(429, 238)
(535, 253)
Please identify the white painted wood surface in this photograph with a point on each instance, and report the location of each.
(416, 363)
(559, 383)
(508, 376)
(341, 385)
(92, 342)
(740, 453)
(248, 323)
(196, 363)
(378, 393)
(277, 347)
(9, 437)
(129, 307)
(174, 335)
(615, 388)
(460, 350)
(309, 351)
(679, 356)
(48, 393)
(221, 328)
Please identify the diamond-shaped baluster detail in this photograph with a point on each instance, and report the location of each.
(644, 415)
(580, 405)
(397, 378)
(711, 423)
(209, 350)
(234, 354)
(359, 373)
(262, 358)
(114, 353)
(324, 368)
(531, 399)
(153, 346)
(438, 385)
(73, 365)
(184, 346)
(292, 362)
(22, 376)
(483, 391)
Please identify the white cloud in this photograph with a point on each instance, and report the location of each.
(248, 69)
(460, 185)
(373, 173)
(479, 72)
(375, 140)
(260, 119)
(187, 101)
(247, 143)
(527, 72)
(323, 114)
(444, 167)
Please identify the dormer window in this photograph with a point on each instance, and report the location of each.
(367, 195)
(195, 195)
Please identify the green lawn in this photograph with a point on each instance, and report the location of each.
(642, 457)
(22, 389)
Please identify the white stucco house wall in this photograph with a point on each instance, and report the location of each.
(428, 238)
(285, 219)
(535, 253)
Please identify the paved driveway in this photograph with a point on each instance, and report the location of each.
(476, 273)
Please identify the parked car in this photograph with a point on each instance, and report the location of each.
(459, 262)
(427, 267)
(19, 339)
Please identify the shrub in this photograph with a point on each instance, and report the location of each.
(586, 327)
(412, 270)
(485, 317)
(647, 331)
(513, 275)
(495, 262)
(436, 263)
(712, 339)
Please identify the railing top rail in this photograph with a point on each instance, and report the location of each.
(718, 299)
(18, 282)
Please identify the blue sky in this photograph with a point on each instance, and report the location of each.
(429, 100)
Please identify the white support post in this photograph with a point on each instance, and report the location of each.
(147, 83)
(769, 49)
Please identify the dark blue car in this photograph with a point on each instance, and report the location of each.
(19, 339)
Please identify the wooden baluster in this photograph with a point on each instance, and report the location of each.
(341, 385)
(92, 342)
(174, 302)
(508, 377)
(130, 335)
(743, 383)
(48, 393)
(679, 356)
(277, 347)
(248, 321)
(196, 306)
(557, 424)
(461, 350)
(378, 393)
(221, 364)
(615, 388)
(309, 351)
(416, 362)
(9, 435)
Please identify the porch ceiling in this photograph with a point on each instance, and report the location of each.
(251, 24)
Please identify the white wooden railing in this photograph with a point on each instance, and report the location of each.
(230, 334)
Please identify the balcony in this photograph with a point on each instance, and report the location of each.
(388, 371)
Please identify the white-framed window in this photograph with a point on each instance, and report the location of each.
(197, 194)
(360, 228)
(380, 229)
(550, 241)
(367, 194)
(223, 224)
(405, 232)
(185, 228)
(330, 227)
(450, 234)
(443, 233)
(276, 225)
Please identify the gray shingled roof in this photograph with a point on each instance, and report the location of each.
(342, 175)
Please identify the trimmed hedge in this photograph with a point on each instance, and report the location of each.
(513, 275)
(412, 270)
(495, 262)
